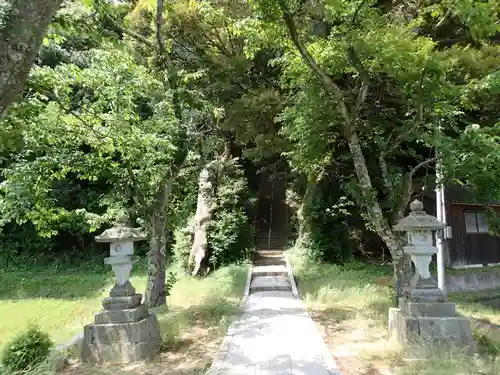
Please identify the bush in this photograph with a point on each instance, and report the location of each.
(326, 234)
(182, 249)
(27, 349)
(230, 238)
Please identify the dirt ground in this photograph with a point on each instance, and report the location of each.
(191, 355)
(348, 340)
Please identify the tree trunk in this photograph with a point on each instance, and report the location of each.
(22, 27)
(376, 217)
(205, 205)
(155, 291)
(202, 218)
(157, 255)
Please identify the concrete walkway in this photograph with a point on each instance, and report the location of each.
(274, 336)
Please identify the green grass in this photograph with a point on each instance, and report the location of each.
(61, 301)
(351, 305)
(208, 302)
(468, 304)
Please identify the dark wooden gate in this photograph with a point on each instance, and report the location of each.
(272, 212)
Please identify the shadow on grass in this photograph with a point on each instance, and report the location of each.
(15, 286)
(436, 360)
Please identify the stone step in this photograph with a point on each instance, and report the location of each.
(265, 233)
(269, 253)
(269, 262)
(279, 270)
(271, 246)
(269, 283)
(272, 243)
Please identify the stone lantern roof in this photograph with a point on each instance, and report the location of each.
(121, 232)
(418, 219)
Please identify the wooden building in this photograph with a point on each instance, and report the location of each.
(468, 242)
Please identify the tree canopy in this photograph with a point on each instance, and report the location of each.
(129, 101)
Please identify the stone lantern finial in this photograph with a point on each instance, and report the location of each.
(122, 220)
(416, 206)
(418, 220)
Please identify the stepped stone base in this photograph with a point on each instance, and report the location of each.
(121, 342)
(440, 330)
(419, 309)
(121, 316)
(122, 302)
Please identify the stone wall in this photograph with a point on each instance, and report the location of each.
(473, 281)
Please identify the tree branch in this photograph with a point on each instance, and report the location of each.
(445, 17)
(385, 172)
(136, 36)
(365, 77)
(159, 24)
(230, 37)
(409, 182)
(400, 138)
(421, 165)
(327, 81)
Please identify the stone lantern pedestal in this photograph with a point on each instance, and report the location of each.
(424, 314)
(124, 331)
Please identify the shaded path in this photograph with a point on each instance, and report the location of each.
(273, 336)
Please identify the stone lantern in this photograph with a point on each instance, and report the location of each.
(124, 330)
(419, 227)
(424, 312)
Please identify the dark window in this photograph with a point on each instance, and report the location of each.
(476, 222)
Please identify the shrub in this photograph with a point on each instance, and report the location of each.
(182, 249)
(27, 349)
(230, 238)
(326, 234)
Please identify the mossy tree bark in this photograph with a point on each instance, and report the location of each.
(204, 208)
(202, 218)
(22, 27)
(157, 254)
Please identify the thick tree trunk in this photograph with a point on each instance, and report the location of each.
(375, 215)
(202, 219)
(204, 207)
(23, 24)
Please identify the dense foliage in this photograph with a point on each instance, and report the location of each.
(229, 233)
(129, 101)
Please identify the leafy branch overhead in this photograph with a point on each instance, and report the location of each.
(129, 102)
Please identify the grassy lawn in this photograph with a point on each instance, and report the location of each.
(61, 302)
(350, 305)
